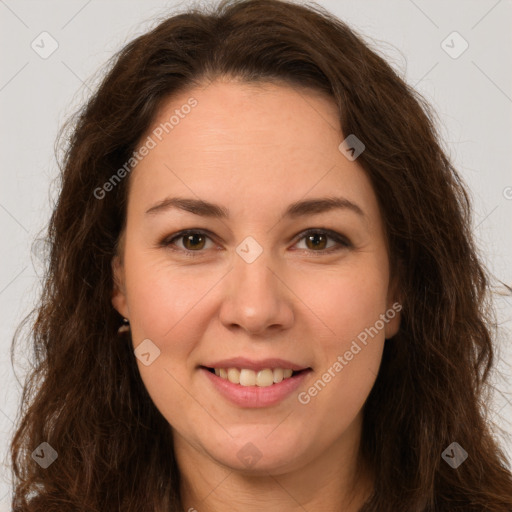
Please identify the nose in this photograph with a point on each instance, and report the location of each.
(256, 298)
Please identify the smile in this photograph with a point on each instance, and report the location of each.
(248, 377)
(252, 389)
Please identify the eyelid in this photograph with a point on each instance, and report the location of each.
(342, 241)
(167, 241)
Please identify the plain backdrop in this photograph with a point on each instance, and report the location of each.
(466, 76)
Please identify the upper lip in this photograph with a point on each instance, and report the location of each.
(243, 362)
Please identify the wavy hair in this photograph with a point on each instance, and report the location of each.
(84, 395)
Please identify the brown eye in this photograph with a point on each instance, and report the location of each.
(189, 242)
(316, 241)
(193, 241)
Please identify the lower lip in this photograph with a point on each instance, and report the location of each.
(254, 396)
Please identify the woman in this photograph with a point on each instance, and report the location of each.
(263, 291)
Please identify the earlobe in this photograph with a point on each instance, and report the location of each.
(118, 292)
(393, 320)
(393, 311)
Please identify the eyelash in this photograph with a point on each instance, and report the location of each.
(341, 240)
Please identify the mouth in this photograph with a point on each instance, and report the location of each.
(261, 387)
(263, 378)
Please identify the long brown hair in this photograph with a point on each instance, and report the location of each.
(85, 396)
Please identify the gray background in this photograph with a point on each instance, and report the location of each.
(472, 95)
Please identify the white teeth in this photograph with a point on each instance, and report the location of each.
(234, 375)
(246, 377)
(278, 375)
(265, 378)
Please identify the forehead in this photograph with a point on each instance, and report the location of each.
(242, 143)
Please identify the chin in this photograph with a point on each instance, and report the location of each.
(257, 454)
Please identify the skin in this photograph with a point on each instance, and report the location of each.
(254, 149)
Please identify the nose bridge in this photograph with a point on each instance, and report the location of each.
(255, 298)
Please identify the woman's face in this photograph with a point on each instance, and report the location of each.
(250, 283)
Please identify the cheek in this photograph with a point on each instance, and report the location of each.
(163, 298)
(348, 301)
(167, 306)
(350, 304)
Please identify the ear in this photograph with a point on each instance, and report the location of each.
(393, 308)
(118, 293)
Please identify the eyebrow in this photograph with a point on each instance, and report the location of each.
(294, 210)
